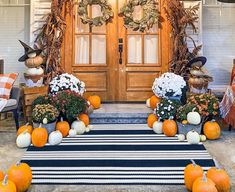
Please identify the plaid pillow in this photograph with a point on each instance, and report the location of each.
(6, 83)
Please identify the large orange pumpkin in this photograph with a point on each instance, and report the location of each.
(39, 137)
(154, 100)
(204, 184)
(1, 175)
(151, 119)
(7, 185)
(27, 127)
(63, 127)
(95, 101)
(169, 128)
(21, 175)
(84, 117)
(191, 173)
(220, 177)
(211, 130)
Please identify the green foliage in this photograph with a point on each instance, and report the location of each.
(41, 100)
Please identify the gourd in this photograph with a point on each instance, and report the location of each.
(79, 127)
(193, 137)
(181, 137)
(39, 137)
(220, 177)
(7, 185)
(34, 62)
(148, 103)
(191, 173)
(204, 184)
(212, 130)
(169, 128)
(55, 138)
(95, 101)
(63, 127)
(35, 71)
(194, 118)
(154, 100)
(202, 138)
(21, 175)
(157, 127)
(151, 119)
(72, 133)
(84, 117)
(27, 127)
(23, 140)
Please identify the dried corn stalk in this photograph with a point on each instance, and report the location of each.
(180, 19)
(51, 36)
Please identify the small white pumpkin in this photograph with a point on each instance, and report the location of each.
(148, 102)
(193, 137)
(72, 133)
(202, 138)
(157, 127)
(45, 121)
(55, 138)
(79, 127)
(23, 140)
(181, 137)
(35, 71)
(87, 130)
(90, 127)
(194, 118)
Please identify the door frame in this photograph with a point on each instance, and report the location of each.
(67, 51)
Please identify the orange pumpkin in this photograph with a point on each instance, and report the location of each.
(220, 177)
(151, 119)
(39, 137)
(7, 185)
(204, 184)
(211, 130)
(169, 128)
(85, 118)
(21, 175)
(1, 175)
(191, 173)
(27, 127)
(154, 100)
(63, 127)
(95, 101)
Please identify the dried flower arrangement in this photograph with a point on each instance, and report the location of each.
(181, 19)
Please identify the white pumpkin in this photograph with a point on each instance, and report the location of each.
(194, 118)
(87, 130)
(181, 137)
(202, 138)
(23, 140)
(79, 127)
(148, 102)
(55, 138)
(157, 127)
(90, 127)
(193, 137)
(72, 133)
(35, 71)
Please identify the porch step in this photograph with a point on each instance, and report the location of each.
(120, 114)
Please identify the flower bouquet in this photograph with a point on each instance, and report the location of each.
(66, 81)
(169, 85)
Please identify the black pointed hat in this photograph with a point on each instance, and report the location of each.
(28, 50)
(194, 61)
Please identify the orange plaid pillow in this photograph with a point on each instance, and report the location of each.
(6, 83)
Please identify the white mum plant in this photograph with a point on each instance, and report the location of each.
(66, 81)
(168, 85)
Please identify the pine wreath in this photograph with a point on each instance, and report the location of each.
(150, 14)
(106, 10)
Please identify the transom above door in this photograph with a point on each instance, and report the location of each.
(116, 63)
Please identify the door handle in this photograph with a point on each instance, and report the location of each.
(120, 49)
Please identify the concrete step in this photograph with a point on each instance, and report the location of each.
(120, 114)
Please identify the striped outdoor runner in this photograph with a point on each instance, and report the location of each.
(115, 154)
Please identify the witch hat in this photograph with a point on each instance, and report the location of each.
(28, 50)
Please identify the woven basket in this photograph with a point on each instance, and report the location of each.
(185, 128)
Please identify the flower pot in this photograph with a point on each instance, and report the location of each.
(50, 127)
(185, 128)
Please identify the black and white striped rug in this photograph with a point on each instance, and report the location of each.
(115, 154)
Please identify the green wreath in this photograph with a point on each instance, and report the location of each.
(106, 10)
(150, 14)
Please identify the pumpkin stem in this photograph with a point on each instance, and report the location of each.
(61, 119)
(217, 165)
(18, 163)
(40, 125)
(27, 124)
(204, 178)
(5, 180)
(193, 162)
(213, 120)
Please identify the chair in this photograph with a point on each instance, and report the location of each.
(13, 104)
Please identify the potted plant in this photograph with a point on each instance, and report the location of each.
(46, 115)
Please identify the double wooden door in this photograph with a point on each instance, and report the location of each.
(114, 62)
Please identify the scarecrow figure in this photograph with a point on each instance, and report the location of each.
(33, 60)
(199, 78)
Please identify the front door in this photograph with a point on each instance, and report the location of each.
(115, 73)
